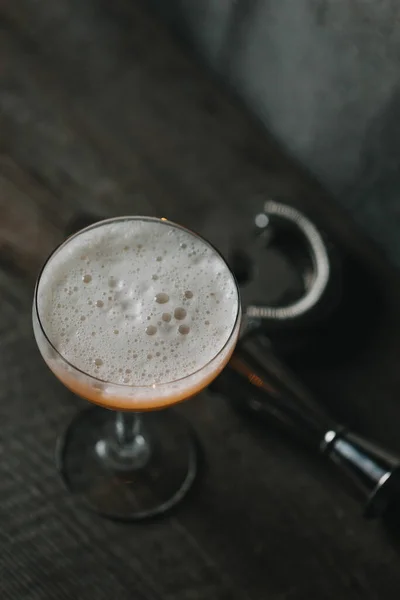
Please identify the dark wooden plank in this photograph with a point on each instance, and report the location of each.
(28, 228)
(147, 104)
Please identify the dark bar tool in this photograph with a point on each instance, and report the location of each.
(329, 295)
(257, 378)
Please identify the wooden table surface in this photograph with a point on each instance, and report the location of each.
(102, 111)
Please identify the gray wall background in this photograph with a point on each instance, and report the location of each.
(324, 78)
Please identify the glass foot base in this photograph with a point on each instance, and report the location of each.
(137, 482)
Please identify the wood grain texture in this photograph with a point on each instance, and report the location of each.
(101, 111)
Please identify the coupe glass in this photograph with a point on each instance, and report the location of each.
(122, 463)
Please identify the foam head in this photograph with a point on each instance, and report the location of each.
(137, 302)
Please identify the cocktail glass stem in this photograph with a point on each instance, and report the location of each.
(126, 447)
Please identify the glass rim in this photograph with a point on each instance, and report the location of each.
(133, 218)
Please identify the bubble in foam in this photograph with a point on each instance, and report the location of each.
(166, 317)
(179, 313)
(87, 278)
(151, 330)
(100, 303)
(184, 329)
(162, 298)
(98, 362)
(188, 294)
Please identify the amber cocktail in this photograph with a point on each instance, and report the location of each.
(134, 314)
